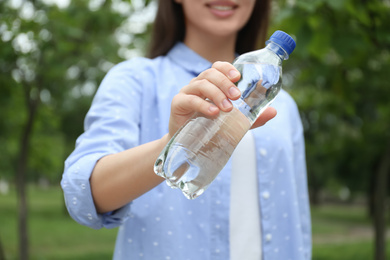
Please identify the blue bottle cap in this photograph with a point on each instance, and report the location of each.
(283, 40)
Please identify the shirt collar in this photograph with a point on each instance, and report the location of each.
(188, 59)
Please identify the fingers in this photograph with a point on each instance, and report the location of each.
(267, 115)
(216, 84)
(228, 69)
(209, 93)
(184, 104)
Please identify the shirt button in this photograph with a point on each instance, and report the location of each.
(266, 195)
(268, 237)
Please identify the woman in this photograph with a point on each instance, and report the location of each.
(109, 179)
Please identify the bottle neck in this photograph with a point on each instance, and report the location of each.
(277, 49)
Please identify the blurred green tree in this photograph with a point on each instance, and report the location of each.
(53, 56)
(340, 74)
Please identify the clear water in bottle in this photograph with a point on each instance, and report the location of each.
(193, 158)
(201, 148)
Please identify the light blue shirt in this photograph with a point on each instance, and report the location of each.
(132, 107)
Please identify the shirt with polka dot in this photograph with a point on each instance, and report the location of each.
(131, 107)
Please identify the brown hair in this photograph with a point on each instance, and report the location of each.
(169, 28)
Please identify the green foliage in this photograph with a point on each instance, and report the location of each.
(340, 69)
(56, 57)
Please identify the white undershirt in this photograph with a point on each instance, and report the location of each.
(245, 230)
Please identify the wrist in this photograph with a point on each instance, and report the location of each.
(164, 141)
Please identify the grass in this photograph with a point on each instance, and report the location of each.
(356, 250)
(343, 232)
(52, 233)
(331, 219)
(339, 232)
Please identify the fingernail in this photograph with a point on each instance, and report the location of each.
(233, 74)
(226, 103)
(212, 108)
(234, 92)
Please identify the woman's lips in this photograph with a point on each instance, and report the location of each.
(222, 9)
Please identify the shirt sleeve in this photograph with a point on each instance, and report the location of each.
(111, 125)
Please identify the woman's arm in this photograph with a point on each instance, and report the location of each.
(120, 178)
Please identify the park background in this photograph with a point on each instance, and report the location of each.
(54, 53)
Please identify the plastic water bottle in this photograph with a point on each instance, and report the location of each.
(201, 148)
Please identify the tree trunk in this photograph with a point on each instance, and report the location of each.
(315, 188)
(380, 205)
(315, 196)
(21, 179)
(371, 195)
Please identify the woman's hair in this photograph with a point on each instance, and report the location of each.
(169, 28)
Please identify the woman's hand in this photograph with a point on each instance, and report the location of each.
(121, 177)
(215, 84)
